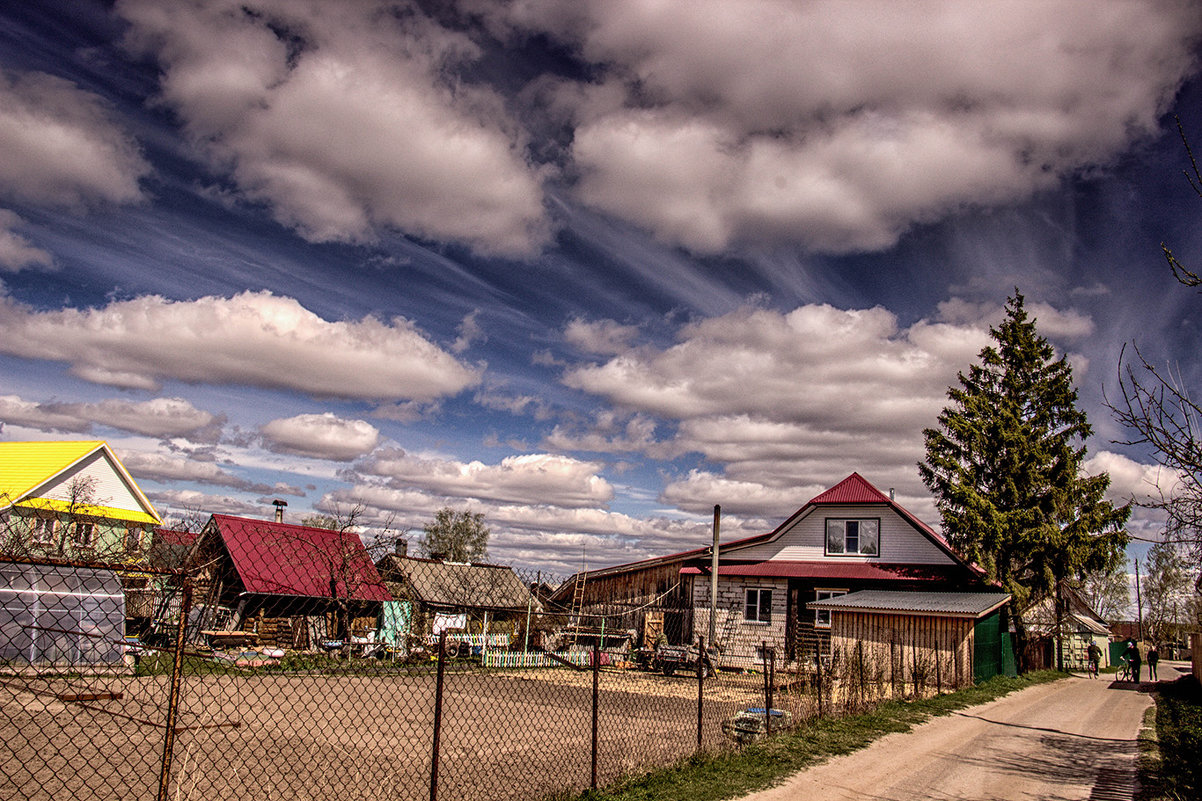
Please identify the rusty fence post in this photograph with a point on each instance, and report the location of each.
(818, 673)
(442, 661)
(596, 698)
(767, 694)
(700, 686)
(177, 670)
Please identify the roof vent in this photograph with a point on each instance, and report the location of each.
(891, 493)
(279, 509)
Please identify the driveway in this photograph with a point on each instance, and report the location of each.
(1072, 739)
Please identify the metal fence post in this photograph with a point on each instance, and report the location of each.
(767, 695)
(818, 673)
(177, 669)
(700, 686)
(596, 698)
(442, 660)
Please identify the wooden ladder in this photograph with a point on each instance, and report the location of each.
(577, 605)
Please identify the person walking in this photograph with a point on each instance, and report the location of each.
(1153, 658)
(1094, 654)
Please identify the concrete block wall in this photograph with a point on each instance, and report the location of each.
(741, 647)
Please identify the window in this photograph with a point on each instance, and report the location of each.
(133, 539)
(757, 606)
(822, 617)
(43, 531)
(853, 537)
(84, 534)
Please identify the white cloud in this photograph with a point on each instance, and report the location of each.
(321, 436)
(542, 479)
(602, 337)
(172, 503)
(345, 118)
(840, 124)
(168, 468)
(61, 145)
(700, 490)
(255, 338)
(160, 417)
(608, 432)
(17, 252)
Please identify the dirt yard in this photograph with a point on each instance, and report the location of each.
(518, 734)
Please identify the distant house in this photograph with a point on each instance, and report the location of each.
(848, 540)
(454, 595)
(256, 574)
(76, 520)
(1079, 626)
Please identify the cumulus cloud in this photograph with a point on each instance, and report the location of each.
(543, 479)
(609, 432)
(321, 436)
(160, 417)
(347, 118)
(17, 252)
(786, 403)
(601, 337)
(176, 502)
(167, 468)
(255, 338)
(62, 145)
(838, 125)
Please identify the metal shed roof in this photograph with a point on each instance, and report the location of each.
(935, 604)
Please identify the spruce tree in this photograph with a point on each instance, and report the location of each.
(1005, 466)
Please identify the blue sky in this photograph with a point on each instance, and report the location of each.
(587, 268)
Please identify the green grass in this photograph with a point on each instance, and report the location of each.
(1176, 771)
(711, 777)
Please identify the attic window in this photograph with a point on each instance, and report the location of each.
(853, 537)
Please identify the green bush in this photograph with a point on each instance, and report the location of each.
(1179, 732)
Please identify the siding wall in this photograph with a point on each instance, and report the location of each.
(109, 488)
(805, 540)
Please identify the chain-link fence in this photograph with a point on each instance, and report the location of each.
(268, 666)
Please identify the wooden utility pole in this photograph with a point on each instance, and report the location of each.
(714, 579)
(1139, 607)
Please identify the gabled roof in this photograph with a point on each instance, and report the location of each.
(457, 584)
(31, 471)
(938, 604)
(853, 489)
(282, 559)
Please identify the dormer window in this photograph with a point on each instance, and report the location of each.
(853, 537)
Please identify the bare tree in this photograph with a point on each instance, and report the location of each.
(1194, 176)
(1166, 592)
(1107, 591)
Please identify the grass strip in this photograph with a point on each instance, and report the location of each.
(1177, 774)
(730, 774)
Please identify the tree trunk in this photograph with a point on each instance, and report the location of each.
(1020, 644)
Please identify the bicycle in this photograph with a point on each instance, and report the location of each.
(1125, 672)
(1091, 669)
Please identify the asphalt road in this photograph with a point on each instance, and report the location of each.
(1072, 739)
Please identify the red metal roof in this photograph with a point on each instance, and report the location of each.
(853, 489)
(282, 559)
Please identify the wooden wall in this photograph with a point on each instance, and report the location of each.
(887, 656)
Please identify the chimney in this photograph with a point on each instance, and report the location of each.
(401, 546)
(279, 509)
(891, 493)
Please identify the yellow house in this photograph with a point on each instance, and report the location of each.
(72, 501)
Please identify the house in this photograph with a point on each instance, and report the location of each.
(433, 594)
(294, 586)
(849, 539)
(80, 527)
(1079, 626)
(72, 501)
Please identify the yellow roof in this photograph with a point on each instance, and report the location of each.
(25, 466)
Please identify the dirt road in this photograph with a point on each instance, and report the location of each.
(1073, 739)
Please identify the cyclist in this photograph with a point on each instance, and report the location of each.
(1095, 657)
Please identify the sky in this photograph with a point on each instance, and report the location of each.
(587, 268)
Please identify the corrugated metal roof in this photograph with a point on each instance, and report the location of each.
(950, 604)
(282, 559)
(27, 467)
(459, 585)
(24, 466)
(832, 569)
(853, 489)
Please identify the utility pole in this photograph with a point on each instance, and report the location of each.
(714, 580)
(1139, 607)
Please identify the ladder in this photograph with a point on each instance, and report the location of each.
(577, 605)
(729, 626)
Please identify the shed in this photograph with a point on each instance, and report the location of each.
(57, 616)
(919, 640)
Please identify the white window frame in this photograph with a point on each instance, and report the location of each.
(839, 528)
(762, 604)
(822, 617)
(41, 532)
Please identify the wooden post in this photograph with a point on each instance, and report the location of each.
(442, 660)
(700, 686)
(177, 670)
(596, 698)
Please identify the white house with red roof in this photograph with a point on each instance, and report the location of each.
(849, 539)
